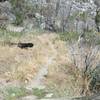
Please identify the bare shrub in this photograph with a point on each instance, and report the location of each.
(86, 59)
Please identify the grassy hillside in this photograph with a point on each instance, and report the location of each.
(51, 62)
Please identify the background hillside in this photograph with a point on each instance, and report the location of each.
(59, 15)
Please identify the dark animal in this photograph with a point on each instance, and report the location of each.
(25, 45)
(20, 45)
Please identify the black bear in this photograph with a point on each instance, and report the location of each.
(25, 45)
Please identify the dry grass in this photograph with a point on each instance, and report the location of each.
(66, 75)
(63, 79)
(22, 64)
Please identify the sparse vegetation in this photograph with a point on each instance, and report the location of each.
(13, 93)
(6, 34)
(40, 93)
(69, 36)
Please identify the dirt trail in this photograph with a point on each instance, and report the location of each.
(37, 82)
